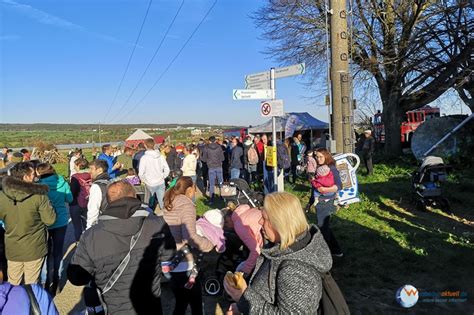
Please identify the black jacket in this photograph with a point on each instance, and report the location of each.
(103, 247)
(236, 157)
(213, 155)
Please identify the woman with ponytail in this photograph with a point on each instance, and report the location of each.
(180, 214)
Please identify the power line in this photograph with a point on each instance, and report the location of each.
(149, 63)
(129, 60)
(171, 63)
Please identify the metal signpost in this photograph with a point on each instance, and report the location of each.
(262, 86)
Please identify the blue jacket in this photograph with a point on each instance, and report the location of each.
(15, 301)
(59, 193)
(110, 163)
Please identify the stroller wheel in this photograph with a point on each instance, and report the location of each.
(212, 286)
(420, 205)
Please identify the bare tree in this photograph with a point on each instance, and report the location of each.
(412, 49)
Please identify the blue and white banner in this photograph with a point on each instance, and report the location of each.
(290, 126)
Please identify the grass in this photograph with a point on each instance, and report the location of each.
(387, 243)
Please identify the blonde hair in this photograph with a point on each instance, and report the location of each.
(286, 216)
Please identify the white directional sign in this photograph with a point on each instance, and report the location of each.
(284, 72)
(290, 71)
(252, 94)
(257, 77)
(271, 108)
(262, 85)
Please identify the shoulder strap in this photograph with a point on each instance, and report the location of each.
(34, 306)
(123, 264)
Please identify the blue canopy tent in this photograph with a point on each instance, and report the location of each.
(305, 122)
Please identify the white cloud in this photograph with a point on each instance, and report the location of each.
(49, 19)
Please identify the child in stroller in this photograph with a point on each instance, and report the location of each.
(426, 182)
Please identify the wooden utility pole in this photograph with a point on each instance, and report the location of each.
(340, 77)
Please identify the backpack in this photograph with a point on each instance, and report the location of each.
(103, 184)
(332, 299)
(252, 155)
(283, 159)
(83, 197)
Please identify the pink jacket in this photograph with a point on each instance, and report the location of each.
(249, 231)
(323, 181)
(213, 233)
(311, 165)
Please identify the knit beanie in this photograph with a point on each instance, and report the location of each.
(322, 170)
(215, 217)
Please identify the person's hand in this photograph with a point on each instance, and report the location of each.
(234, 293)
(233, 310)
(117, 165)
(322, 190)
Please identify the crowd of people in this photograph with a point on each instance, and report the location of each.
(134, 220)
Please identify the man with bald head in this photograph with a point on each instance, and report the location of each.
(130, 243)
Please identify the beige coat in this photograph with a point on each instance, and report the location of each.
(182, 222)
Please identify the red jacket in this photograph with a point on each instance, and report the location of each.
(323, 181)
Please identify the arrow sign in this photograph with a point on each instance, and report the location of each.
(263, 85)
(290, 71)
(272, 108)
(252, 94)
(257, 77)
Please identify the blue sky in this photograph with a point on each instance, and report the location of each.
(62, 61)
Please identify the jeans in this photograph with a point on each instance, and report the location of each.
(268, 181)
(215, 173)
(78, 218)
(55, 256)
(160, 193)
(324, 209)
(234, 173)
(185, 297)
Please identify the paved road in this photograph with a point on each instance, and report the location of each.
(69, 301)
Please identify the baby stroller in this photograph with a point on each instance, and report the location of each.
(215, 265)
(427, 184)
(238, 192)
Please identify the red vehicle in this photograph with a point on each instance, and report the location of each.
(242, 133)
(414, 118)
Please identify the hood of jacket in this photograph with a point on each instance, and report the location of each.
(103, 176)
(17, 189)
(118, 218)
(54, 182)
(313, 251)
(214, 146)
(153, 154)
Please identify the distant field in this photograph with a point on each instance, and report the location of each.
(17, 136)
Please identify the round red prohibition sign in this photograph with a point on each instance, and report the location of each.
(266, 109)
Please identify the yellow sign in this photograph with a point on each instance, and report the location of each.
(271, 156)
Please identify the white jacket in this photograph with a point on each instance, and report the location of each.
(189, 165)
(93, 205)
(153, 168)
